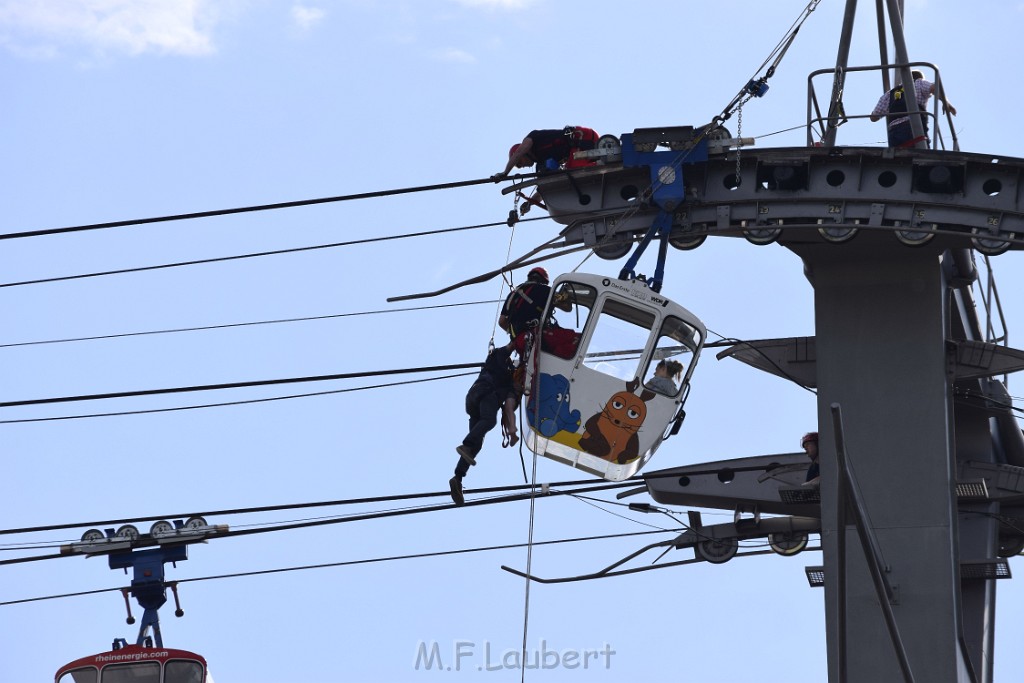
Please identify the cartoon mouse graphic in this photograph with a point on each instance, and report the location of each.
(549, 406)
(612, 433)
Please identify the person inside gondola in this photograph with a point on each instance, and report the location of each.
(491, 392)
(809, 443)
(666, 376)
(548, 149)
(893, 106)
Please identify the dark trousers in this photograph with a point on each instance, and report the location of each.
(901, 135)
(482, 404)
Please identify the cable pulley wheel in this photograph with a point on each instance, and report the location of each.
(787, 543)
(717, 550)
(762, 236)
(612, 251)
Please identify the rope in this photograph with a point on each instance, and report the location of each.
(531, 363)
(737, 103)
(522, 460)
(533, 359)
(779, 50)
(741, 97)
(501, 287)
(529, 563)
(580, 264)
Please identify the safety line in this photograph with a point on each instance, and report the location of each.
(529, 564)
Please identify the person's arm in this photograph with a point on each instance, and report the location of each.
(881, 109)
(531, 200)
(524, 148)
(941, 97)
(933, 89)
(563, 300)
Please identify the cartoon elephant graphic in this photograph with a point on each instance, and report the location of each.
(548, 410)
(612, 433)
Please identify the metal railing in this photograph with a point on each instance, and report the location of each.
(836, 114)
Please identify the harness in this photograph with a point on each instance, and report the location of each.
(897, 105)
(899, 125)
(560, 148)
(514, 307)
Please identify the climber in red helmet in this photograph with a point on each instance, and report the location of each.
(548, 149)
(525, 304)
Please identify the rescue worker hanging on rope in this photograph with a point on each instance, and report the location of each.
(549, 149)
(492, 393)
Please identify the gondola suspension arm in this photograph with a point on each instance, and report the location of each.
(605, 573)
(521, 262)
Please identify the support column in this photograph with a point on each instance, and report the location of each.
(880, 334)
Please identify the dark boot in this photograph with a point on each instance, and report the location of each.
(455, 484)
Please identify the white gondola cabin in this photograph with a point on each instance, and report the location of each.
(593, 400)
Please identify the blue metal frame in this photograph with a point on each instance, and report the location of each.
(148, 584)
(667, 192)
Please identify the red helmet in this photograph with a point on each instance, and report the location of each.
(809, 436)
(512, 150)
(538, 274)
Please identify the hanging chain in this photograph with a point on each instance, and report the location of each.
(739, 138)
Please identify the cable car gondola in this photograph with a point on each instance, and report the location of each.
(147, 661)
(592, 403)
(136, 664)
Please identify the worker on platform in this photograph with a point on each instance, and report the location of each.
(893, 106)
(548, 149)
(809, 443)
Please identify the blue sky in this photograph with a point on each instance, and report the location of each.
(121, 109)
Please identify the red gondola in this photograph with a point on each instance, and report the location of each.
(136, 664)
